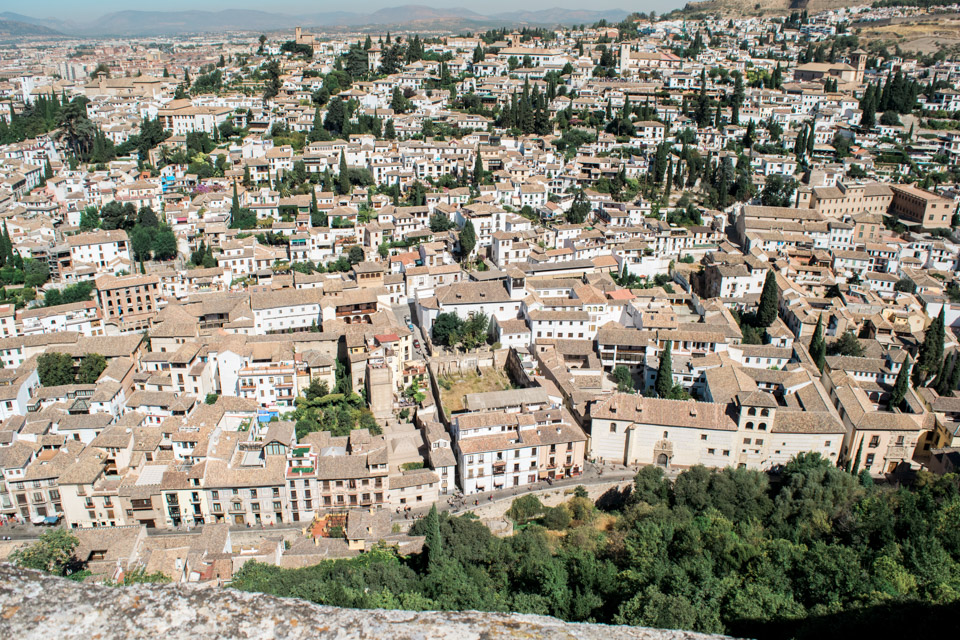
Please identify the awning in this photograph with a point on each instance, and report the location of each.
(37, 519)
(51, 519)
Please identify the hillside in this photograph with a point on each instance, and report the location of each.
(16, 28)
(763, 7)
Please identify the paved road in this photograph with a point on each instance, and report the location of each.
(594, 474)
(403, 311)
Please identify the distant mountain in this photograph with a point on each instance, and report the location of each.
(331, 19)
(49, 23)
(141, 23)
(419, 13)
(155, 23)
(17, 28)
(563, 16)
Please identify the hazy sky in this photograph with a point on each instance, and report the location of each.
(86, 10)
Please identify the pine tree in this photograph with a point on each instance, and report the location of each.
(389, 130)
(818, 347)
(664, 383)
(900, 386)
(767, 310)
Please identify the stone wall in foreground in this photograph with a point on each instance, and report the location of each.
(38, 606)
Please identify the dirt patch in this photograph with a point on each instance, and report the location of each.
(925, 35)
(454, 387)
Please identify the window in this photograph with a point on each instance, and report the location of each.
(870, 459)
(703, 436)
(613, 427)
(874, 442)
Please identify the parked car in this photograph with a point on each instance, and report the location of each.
(416, 344)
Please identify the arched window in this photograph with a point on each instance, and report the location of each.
(752, 411)
(765, 412)
(749, 425)
(762, 426)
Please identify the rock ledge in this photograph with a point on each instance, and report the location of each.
(36, 605)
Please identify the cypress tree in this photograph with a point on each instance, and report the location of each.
(235, 204)
(900, 386)
(953, 381)
(343, 178)
(818, 347)
(9, 256)
(940, 382)
(468, 239)
(478, 170)
(856, 460)
(664, 383)
(769, 298)
(930, 357)
(433, 544)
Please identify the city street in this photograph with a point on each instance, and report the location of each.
(403, 311)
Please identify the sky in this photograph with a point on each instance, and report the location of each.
(86, 10)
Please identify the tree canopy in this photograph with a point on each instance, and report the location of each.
(718, 551)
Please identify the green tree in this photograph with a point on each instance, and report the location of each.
(141, 241)
(930, 356)
(447, 329)
(164, 243)
(91, 366)
(524, 509)
(664, 382)
(478, 172)
(440, 222)
(621, 375)
(468, 239)
(55, 369)
(900, 386)
(433, 544)
(846, 345)
(53, 552)
(89, 219)
(343, 176)
(579, 209)
(767, 310)
(818, 347)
